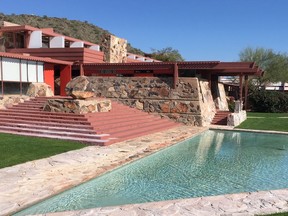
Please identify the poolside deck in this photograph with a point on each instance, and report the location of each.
(24, 184)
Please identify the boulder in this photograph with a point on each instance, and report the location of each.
(9, 101)
(79, 88)
(39, 90)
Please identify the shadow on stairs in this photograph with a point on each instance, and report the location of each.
(220, 118)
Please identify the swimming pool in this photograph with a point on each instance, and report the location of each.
(213, 163)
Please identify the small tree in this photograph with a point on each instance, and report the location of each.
(274, 64)
(167, 54)
(262, 57)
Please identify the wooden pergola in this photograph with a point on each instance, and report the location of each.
(210, 70)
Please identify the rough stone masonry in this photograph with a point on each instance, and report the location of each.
(190, 103)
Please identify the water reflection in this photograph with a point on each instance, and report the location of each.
(215, 162)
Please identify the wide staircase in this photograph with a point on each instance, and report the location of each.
(220, 118)
(121, 123)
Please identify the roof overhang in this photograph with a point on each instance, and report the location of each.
(34, 58)
(153, 65)
(213, 67)
(45, 32)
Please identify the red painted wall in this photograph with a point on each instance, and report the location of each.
(49, 75)
(65, 77)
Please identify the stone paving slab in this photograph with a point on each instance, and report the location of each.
(25, 184)
(243, 204)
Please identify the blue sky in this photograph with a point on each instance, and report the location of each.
(199, 29)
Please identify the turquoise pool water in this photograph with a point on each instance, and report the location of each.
(212, 163)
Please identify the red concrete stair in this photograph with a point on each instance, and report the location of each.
(220, 118)
(124, 122)
(29, 119)
(121, 123)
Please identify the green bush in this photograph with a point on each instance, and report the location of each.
(268, 101)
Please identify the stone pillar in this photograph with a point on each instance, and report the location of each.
(238, 106)
(114, 48)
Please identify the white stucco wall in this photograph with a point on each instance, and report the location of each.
(31, 71)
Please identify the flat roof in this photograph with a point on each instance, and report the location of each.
(215, 67)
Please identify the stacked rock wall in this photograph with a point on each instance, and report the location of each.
(190, 103)
(221, 101)
(114, 48)
(207, 105)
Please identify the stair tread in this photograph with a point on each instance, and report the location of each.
(29, 130)
(28, 118)
(98, 141)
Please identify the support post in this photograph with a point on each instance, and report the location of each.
(2, 83)
(20, 75)
(240, 88)
(65, 77)
(81, 70)
(246, 91)
(36, 71)
(49, 75)
(209, 79)
(176, 75)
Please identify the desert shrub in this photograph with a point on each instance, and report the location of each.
(268, 101)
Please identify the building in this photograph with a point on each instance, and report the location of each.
(178, 90)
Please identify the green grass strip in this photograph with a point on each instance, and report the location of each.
(278, 214)
(267, 115)
(266, 121)
(19, 149)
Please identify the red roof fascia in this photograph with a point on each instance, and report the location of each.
(45, 31)
(225, 65)
(17, 28)
(34, 58)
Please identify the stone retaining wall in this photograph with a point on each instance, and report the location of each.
(78, 106)
(190, 103)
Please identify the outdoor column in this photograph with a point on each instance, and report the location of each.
(49, 75)
(176, 76)
(246, 91)
(240, 88)
(209, 79)
(65, 77)
(2, 83)
(20, 75)
(81, 70)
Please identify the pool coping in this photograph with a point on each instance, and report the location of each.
(32, 180)
(25, 184)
